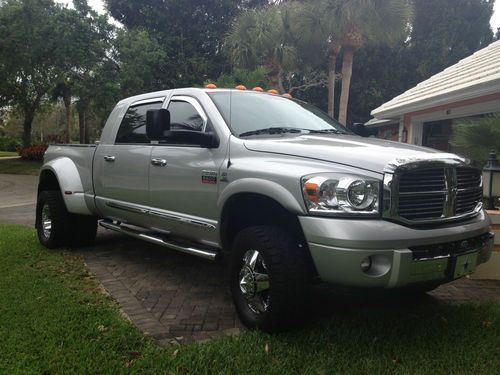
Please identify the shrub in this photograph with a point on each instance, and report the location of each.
(9, 144)
(475, 138)
(34, 152)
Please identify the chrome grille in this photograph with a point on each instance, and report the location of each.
(469, 192)
(422, 194)
(433, 194)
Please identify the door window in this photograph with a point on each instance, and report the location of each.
(185, 116)
(133, 126)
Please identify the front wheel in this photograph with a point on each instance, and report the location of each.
(269, 279)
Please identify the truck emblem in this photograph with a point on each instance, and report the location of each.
(208, 177)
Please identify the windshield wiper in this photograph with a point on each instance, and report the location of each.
(325, 131)
(275, 130)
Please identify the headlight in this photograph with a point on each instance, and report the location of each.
(341, 195)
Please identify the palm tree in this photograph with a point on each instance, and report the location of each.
(317, 31)
(262, 37)
(360, 21)
(63, 91)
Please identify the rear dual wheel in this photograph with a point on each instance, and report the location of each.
(57, 227)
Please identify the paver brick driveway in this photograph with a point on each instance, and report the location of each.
(175, 297)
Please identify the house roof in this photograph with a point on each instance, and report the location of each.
(375, 122)
(472, 77)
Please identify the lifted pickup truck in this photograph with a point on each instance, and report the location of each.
(287, 194)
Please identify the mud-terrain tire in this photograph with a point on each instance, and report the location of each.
(57, 227)
(280, 304)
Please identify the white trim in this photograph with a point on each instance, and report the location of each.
(147, 101)
(448, 98)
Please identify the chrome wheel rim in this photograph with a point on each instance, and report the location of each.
(46, 221)
(254, 282)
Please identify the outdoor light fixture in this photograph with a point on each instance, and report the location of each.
(491, 180)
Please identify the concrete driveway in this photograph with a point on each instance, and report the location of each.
(18, 198)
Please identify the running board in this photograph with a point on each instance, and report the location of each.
(200, 252)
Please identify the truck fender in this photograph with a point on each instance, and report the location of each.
(70, 184)
(266, 188)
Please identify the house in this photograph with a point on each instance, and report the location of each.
(425, 115)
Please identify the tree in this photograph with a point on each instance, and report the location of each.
(263, 37)
(439, 33)
(191, 32)
(33, 58)
(63, 91)
(317, 30)
(92, 37)
(359, 21)
(446, 31)
(140, 62)
(249, 78)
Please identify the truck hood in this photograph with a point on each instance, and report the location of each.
(365, 153)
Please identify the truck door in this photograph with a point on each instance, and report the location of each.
(184, 178)
(121, 169)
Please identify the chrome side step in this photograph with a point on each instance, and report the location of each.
(206, 253)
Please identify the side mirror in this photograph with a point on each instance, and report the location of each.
(157, 123)
(191, 137)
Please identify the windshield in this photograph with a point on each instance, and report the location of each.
(253, 113)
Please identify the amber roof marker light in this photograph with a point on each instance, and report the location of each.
(287, 95)
(258, 89)
(273, 91)
(240, 87)
(211, 86)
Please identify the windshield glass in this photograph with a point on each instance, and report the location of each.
(253, 113)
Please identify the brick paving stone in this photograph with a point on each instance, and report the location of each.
(176, 298)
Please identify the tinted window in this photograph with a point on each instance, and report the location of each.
(183, 116)
(133, 126)
(250, 111)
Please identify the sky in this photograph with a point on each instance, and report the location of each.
(495, 20)
(98, 5)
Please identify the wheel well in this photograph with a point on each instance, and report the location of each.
(48, 181)
(249, 209)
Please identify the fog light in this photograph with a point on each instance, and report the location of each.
(366, 264)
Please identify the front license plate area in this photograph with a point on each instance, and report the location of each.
(464, 265)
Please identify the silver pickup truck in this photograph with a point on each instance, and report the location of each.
(284, 192)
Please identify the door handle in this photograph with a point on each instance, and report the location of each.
(159, 162)
(109, 158)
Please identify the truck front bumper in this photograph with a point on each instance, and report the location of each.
(397, 255)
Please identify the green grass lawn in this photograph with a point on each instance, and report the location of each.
(18, 166)
(54, 319)
(4, 154)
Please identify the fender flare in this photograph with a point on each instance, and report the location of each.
(259, 186)
(70, 184)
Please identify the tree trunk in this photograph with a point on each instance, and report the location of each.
(275, 80)
(82, 120)
(81, 124)
(87, 129)
(274, 75)
(27, 125)
(331, 83)
(346, 84)
(67, 125)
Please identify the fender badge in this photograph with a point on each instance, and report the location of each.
(208, 177)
